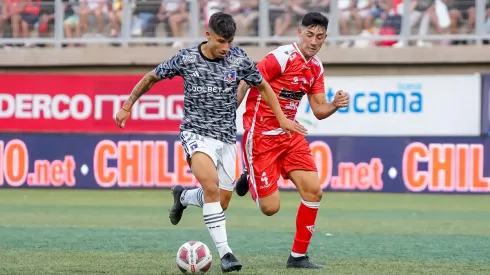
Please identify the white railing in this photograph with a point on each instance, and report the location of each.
(194, 36)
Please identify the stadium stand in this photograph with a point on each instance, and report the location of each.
(175, 23)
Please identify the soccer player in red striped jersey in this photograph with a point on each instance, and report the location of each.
(293, 71)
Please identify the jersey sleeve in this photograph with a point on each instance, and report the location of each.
(249, 72)
(171, 67)
(269, 67)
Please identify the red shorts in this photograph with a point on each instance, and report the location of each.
(268, 157)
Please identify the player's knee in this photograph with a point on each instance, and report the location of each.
(318, 194)
(313, 194)
(269, 210)
(211, 193)
(225, 197)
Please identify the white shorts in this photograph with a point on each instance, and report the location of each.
(222, 154)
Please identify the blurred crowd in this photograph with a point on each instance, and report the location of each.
(170, 18)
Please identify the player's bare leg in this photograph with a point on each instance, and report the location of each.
(308, 185)
(271, 204)
(204, 170)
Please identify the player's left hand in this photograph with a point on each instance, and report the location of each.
(341, 99)
(121, 117)
(292, 126)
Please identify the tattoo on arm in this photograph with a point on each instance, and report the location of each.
(140, 89)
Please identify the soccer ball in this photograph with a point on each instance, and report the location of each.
(194, 257)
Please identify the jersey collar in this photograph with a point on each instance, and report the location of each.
(300, 53)
(205, 57)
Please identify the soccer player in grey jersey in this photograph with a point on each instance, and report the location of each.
(211, 72)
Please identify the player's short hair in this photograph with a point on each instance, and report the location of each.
(313, 19)
(223, 25)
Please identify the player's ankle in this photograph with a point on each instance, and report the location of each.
(183, 200)
(297, 255)
(223, 250)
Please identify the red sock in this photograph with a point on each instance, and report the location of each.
(305, 226)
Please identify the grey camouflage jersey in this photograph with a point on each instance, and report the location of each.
(210, 89)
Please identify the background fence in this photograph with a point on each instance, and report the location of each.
(260, 22)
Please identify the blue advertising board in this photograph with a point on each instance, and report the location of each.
(369, 164)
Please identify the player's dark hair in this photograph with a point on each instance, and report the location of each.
(313, 19)
(223, 25)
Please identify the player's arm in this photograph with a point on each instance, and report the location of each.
(242, 92)
(322, 108)
(167, 69)
(143, 86)
(269, 68)
(253, 77)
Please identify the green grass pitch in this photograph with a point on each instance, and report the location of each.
(72, 232)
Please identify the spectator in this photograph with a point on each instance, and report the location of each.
(72, 21)
(293, 10)
(380, 11)
(29, 17)
(93, 9)
(115, 17)
(364, 8)
(211, 7)
(173, 14)
(47, 16)
(284, 13)
(47, 12)
(422, 12)
(145, 18)
(12, 10)
(346, 8)
(277, 10)
(246, 14)
(461, 11)
(2, 19)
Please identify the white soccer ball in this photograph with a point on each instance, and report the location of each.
(194, 257)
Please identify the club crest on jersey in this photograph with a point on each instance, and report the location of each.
(230, 76)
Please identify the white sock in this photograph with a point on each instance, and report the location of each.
(192, 197)
(215, 221)
(297, 255)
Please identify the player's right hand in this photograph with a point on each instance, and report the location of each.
(292, 126)
(121, 117)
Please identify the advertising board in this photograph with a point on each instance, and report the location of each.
(448, 105)
(86, 103)
(438, 105)
(366, 164)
